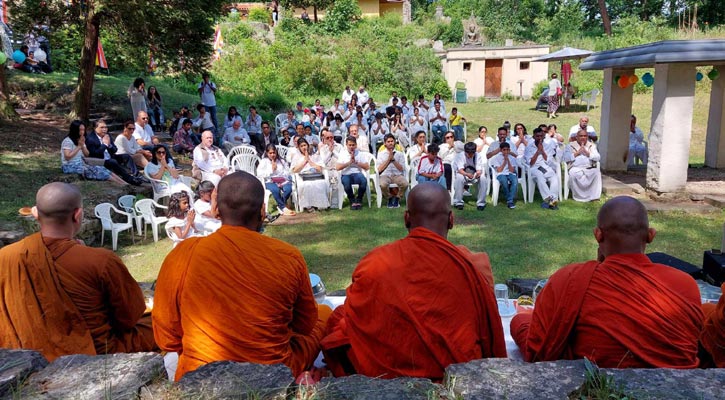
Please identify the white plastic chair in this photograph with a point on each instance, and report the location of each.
(241, 149)
(282, 151)
(161, 188)
(126, 202)
(279, 120)
(532, 185)
(566, 178)
(103, 212)
(590, 98)
(341, 188)
(245, 162)
(147, 208)
(496, 185)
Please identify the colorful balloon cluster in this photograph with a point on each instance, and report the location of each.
(648, 79)
(625, 80)
(713, 74)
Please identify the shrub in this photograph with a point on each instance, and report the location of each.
(342, 16)
(260, 14)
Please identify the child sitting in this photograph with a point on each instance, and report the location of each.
(181, 218)
(205, 220)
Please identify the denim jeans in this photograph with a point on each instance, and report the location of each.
(441, 180)
(354, 179)
(280, 194)
(509, 192)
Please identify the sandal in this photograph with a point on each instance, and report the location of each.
(288, 212)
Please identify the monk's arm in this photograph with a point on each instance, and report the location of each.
(304, 313)
(124, 295)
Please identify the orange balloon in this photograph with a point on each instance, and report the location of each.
(623, 82)
(633, 79)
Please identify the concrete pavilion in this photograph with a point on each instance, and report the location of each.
(672, 107)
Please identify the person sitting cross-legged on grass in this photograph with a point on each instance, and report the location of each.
(505, 165)
(351, 164)
(391, 167)
(389, 327)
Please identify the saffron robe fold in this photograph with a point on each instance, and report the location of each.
(625, 312)
(237, 295)
(713, 334)
(35, 311)
(414, 307)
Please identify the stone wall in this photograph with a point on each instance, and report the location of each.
(26, 374)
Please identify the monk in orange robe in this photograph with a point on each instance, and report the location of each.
(621, 311)
(236, 294)
(416, 305)
(713, 335)
(60, 297)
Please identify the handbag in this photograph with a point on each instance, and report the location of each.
(279, 180)
(312, 176)
(558, 91)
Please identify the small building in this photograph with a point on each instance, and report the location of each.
(369, 8)
(493, 71)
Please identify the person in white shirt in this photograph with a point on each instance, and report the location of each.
(585, 178)
(207, 91)
(253, 122)
(437, 119)
(503, 137)
(448, 150)
(482, 141)
(430, 167)
(312, 189)
(351, 165)
(362, 140)
(143, 133)
(362, 95)
(126, 144)
(378, 130)
(437, 97)
(235, 136)
(583, 124)
(406, 107)
(203, 122)
(417, 150)
(205, 221)
(390, 164)
(347, 94)
(544, 175)
(520, 138)
(637, 146)
(232, 115)
(210, 159)
(337, 108)
(504, 163)
(470, 167)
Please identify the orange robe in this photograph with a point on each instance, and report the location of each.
(106, 295)
(625, 312)
(713, 335)
(414, 307)
(237, 295)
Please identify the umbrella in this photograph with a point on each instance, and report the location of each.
(567, 53)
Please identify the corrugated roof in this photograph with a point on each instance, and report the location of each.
(701, 52)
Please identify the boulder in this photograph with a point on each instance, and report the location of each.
(112, 376)
(15, 366)
(500, 378)
(438, 45)
(359, 387)
(671, 384)
(229, 379)
(422, 42)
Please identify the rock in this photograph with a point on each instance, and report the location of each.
(359, 387)
(15, 366)
(229, 379)
(671, 384)
(438, 46)
(500, 378)
(422, 42)
(116, 376)
(258, 26)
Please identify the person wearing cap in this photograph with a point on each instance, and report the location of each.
(470, 166)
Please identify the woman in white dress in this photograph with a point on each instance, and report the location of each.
(181, 217)
(313, 189)
(203, 206)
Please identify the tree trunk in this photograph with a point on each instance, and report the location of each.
(7, 112)
(314, 11)
(605, 17)
(87, 67)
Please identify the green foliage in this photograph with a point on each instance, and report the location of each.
(453, 34)
(260, 14)
(235, 32)
(566, 22)
(342, 16)
(599, 385)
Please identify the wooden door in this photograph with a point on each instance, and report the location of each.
(493, 78)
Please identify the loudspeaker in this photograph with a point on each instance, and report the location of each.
(713, 264)
(674, 262)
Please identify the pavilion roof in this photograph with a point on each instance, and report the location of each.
(700, 52)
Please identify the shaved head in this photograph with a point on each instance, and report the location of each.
(240, 197)
(57, 201)
(623, 227)
(429, 206)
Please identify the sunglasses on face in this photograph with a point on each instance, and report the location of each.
(160, 152)
(449, 137)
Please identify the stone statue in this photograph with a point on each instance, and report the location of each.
(472, 32)
(407, 12)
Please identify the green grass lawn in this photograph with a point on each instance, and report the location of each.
(525, 242)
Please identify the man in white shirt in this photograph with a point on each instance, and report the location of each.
(207, 91)
(254, 122)
(503, 137)
(361, 140)
(469, 167)
(504, 163)
(437, 119)
(347, 95)
(406, 107)
(362, 95)
(637, 146)
(378, 129)
(203, 122)
(544, 175)
(143, 133)
(235, 136)
(210, 159)
(351, 165)
(391, 168)
(583, 124)
(126, 144)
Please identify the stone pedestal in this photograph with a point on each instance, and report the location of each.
(669, 138)
(715, 140)
(614, 132)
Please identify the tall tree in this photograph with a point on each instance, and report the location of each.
(605, 17)
(179, 31)
(7, 112)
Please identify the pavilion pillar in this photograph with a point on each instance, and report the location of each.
(715, 139)
(669, 138)
(616, 110)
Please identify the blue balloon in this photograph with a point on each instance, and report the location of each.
(18, 56)
(648, 79)
(698, 76)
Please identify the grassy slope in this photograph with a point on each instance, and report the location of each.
(526, 242)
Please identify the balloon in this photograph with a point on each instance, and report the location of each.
(648, 79)
(713, 74)
(3, 58)
(18, 56)
(616, 79)
(633, 79)
(698, 76)
(40, 55)
(623, 81)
